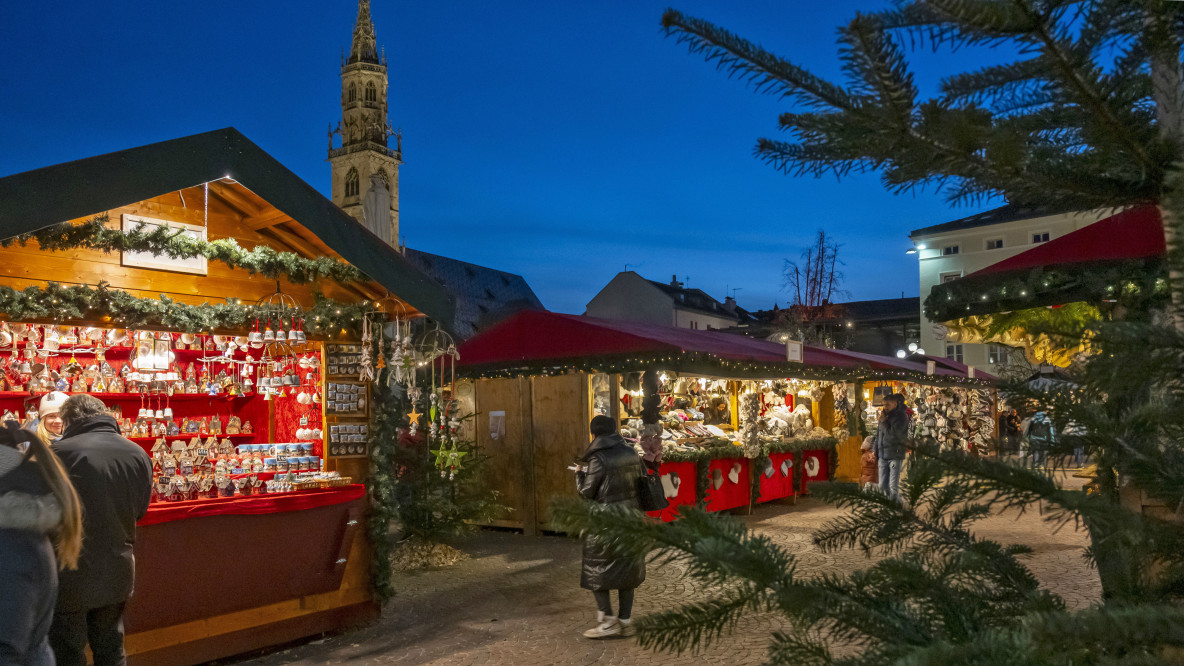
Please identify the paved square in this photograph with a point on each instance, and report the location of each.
(518, 601)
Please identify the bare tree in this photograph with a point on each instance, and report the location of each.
(815, 281)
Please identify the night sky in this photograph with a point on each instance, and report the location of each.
(558, 140)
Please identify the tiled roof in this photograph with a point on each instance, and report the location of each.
(697, 299)
(1000, 215)
(483, 295)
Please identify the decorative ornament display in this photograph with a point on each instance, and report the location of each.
(750, 407)
(366, 364)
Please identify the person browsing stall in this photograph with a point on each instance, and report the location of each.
(890, 444)
(40, 533)
(49, 416)
(608, 475)
(113, 477)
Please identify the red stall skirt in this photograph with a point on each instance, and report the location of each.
(780, 484)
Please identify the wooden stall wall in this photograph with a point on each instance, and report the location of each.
(559, 412)
(29, 265)
(508, 470)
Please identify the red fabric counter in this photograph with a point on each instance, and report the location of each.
(204, 558)
(776, 480)
(678, 477)
(815, 467)
(299, 500)
(735, 485)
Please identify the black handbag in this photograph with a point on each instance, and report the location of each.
(650, 496)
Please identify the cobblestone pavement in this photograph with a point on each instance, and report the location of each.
(517, 601)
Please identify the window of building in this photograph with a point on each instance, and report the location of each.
(950, 277)
(1041, 237)
(351, 93)
(954, 352)
(994, 243)
(997, 354)
(694, 324)
(371, 92)
(949, 249)
(351, 183)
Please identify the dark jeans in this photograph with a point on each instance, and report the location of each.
(604, 603)
(102, 627)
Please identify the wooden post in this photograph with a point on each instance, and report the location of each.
(526, 452)
(734, 403)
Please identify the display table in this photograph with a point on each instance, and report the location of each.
(218, 577)
(779, 484)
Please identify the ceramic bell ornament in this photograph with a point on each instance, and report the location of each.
(255, 338)
(300, 337)
(292, 336)
(268, 334)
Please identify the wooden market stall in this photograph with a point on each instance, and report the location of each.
(258, 435)
(536, 379)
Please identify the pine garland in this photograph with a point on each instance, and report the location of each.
(177, 244)
(59, 303)
(381, 484)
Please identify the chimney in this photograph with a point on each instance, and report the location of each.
(730, 305)
(674, 282)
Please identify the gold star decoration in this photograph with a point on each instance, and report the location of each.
(413, 416)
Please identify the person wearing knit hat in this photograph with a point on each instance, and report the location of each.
(49, 420)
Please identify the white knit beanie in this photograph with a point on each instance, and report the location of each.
(51, 403)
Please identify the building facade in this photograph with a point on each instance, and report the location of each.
(949, 251)
(630, 297)
(365, 170)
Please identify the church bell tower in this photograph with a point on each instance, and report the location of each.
(365, 169)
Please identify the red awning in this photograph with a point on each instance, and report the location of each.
(532, 337)
(1135, 233)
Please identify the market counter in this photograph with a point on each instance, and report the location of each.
(218, 577)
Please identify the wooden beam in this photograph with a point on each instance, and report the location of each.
(233, 197)
(298, 245)
(267, 219)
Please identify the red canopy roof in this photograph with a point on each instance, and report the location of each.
(533, 337)
(1135, 233)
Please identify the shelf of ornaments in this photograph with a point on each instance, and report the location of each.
(115, 352)
(135, 396)
(186, 436)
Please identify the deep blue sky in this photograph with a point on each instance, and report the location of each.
(557, 140)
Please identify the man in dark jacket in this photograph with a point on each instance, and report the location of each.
(609, 476)
(113, 478)
(891, 444)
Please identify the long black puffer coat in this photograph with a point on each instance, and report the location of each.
(28, 566)
(611, 479)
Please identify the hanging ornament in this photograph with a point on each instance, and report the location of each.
(366, 365)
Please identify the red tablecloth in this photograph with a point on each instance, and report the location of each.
(684, 474)
(298, 500)
(815, 467)
(735, 488)
(780, 483)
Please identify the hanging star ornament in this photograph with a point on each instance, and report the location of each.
(413, 417)
(442, 456)
(454, 456)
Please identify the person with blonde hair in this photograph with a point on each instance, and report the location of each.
(49, 418)
(40, 534)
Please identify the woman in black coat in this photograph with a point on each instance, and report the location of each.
(39, 513)
(609, 476)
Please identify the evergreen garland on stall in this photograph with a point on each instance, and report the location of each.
(62, 304)
(387, 414)
(177, 244)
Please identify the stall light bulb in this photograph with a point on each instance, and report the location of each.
(920, 351)
(912, 346)
(900, 353)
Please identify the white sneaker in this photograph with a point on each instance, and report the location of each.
(609, 626)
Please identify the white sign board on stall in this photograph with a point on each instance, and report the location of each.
(930, 367)
(795, 351)
(163, 262)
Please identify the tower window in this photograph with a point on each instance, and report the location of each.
(351, 93)
(371, 92)
(351, 183)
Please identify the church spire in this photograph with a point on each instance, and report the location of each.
(364, 48)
